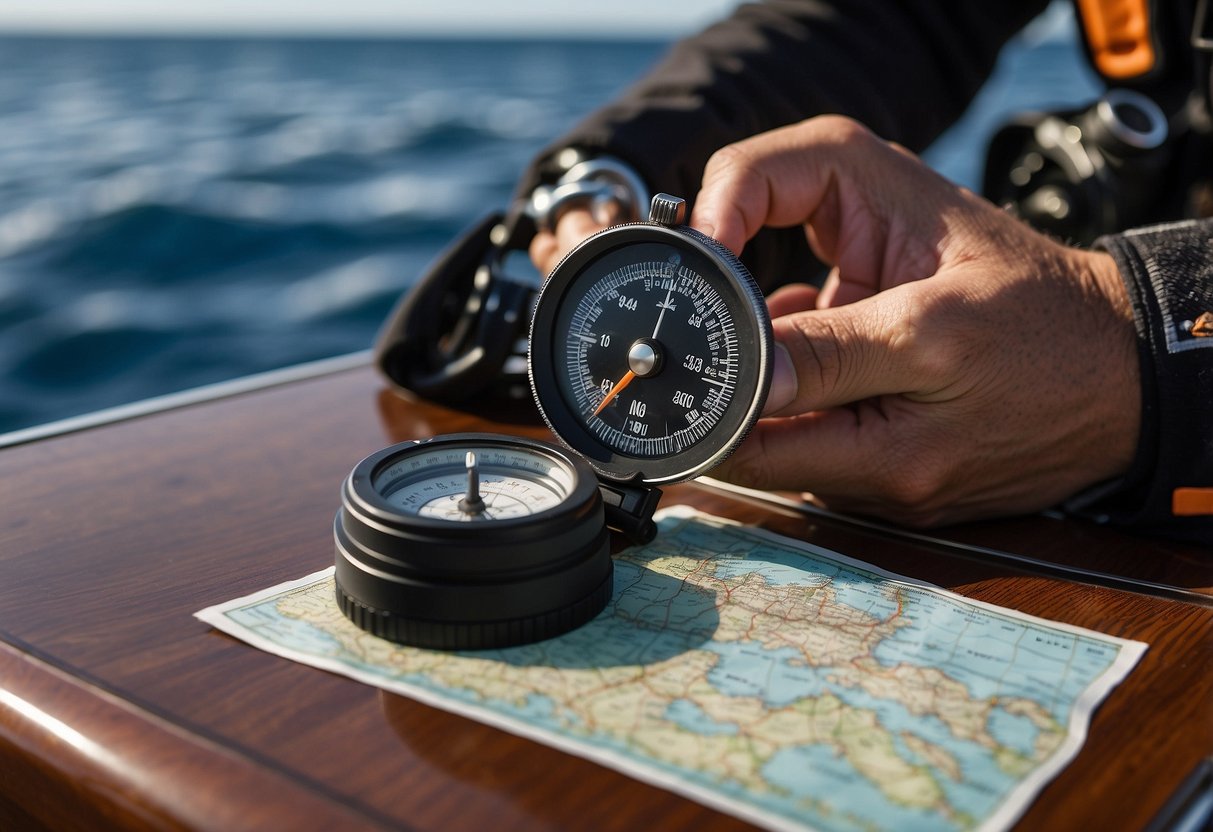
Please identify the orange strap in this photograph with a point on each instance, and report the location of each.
(1118, 33)
(1192, 502)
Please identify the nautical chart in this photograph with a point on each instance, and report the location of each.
(783, 683)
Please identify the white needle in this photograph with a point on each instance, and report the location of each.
(663, 306)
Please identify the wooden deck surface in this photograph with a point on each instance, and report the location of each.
(119, 709)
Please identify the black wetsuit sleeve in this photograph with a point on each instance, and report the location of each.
(1168, 271)
(905, 68)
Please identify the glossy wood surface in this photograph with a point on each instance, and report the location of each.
(119, 709)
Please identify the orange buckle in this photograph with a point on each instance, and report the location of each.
(1118, 33)
(1191, 502)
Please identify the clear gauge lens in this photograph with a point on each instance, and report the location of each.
(509, 483)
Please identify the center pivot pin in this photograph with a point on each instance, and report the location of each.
(644, 358)
(472, 502)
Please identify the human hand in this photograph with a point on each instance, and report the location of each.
(575, 224)
(956, 365)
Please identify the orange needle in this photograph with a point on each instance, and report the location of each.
(615, 391)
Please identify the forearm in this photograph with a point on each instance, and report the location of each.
(1168, 271)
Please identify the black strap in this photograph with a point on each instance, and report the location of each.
(459, 335)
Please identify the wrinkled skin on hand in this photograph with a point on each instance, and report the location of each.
(955, 365)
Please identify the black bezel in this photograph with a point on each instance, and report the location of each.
(751, 318)
(362, 498)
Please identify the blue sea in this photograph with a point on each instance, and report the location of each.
(177, 212)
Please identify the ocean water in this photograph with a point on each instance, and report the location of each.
(176, 212)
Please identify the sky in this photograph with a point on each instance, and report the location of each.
(357, 17)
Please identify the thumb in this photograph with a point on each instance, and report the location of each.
(830, 357)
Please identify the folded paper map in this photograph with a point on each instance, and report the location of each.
(783, 683)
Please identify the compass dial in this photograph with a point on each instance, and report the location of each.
(650, 352)
(511, 482)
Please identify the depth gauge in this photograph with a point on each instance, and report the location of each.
(650, 350)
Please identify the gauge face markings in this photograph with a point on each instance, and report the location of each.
(688, 322)
(430, 482)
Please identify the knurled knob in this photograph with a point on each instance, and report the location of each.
(668, 210)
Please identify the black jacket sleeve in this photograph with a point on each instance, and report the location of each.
(907, 69)
(1168, 271)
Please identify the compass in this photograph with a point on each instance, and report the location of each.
(649, 359)
(471, 541)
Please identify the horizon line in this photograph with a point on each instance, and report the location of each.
(345, 33)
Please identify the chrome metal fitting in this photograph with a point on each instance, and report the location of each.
(599, 184)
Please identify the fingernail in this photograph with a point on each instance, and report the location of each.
(783, 381)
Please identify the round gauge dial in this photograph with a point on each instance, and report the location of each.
(650, 352)
(508, 481)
